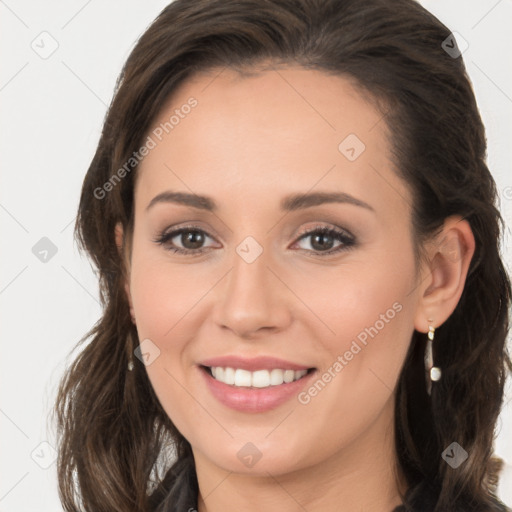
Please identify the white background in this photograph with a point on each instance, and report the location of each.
(52, 113)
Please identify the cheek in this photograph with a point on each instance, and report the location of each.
(367, 312)
(361, 301)
(371, 315)
(170, 302)
(165, 298)
(164, 294)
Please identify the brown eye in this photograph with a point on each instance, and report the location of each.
(186, 240)
(192, 239)
(322, 240)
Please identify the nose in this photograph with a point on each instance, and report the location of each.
(253, 299)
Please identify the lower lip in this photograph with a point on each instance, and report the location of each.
(254, 399)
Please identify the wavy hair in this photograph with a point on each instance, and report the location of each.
(118, 449)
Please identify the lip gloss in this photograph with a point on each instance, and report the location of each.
(254, 400)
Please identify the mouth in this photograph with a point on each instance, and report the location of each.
(259, 379)
(256, 384)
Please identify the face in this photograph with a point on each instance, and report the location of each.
(275, 311)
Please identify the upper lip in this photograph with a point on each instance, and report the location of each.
(253, 364)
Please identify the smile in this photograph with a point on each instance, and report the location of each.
(239, 377)
(254, 385)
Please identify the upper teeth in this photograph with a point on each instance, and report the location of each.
(257, 379)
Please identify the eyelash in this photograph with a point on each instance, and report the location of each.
(347, 240)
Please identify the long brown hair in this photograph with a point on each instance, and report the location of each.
(116, 442)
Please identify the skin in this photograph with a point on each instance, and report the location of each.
(249, 142)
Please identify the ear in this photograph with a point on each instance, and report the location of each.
(444, 275)
(119, 235)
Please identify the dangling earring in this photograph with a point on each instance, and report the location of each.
(130, 358)
(432, 373)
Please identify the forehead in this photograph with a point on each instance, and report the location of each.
(287, 129)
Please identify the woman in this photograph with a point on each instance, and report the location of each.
(297, 242)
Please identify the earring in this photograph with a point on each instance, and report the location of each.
(432, 373)
(130, 344)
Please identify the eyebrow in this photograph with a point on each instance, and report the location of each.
(289, 203)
